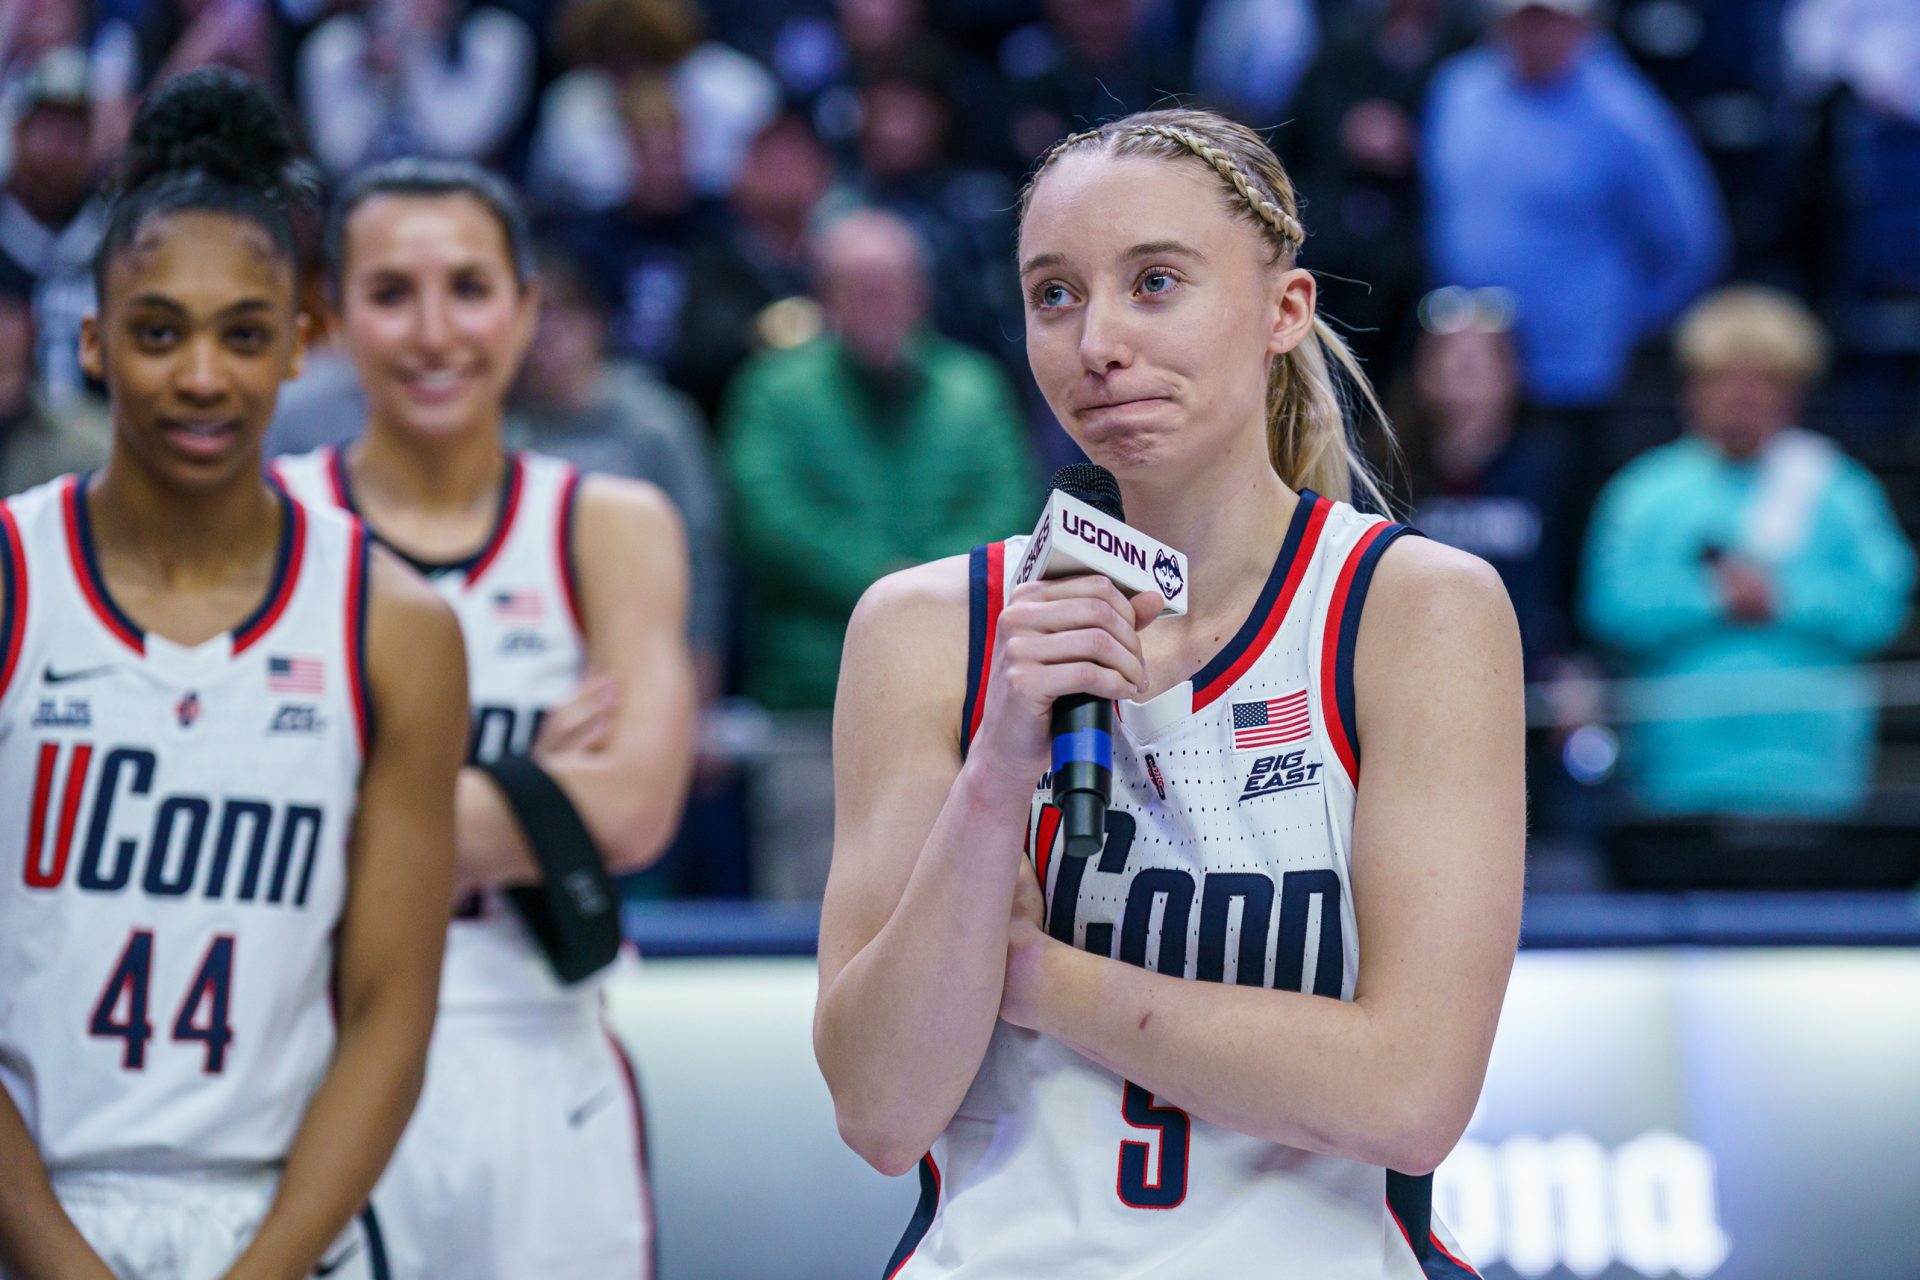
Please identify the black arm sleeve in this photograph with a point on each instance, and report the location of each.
(573, 913)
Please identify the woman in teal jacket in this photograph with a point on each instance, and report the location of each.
(1757, 564)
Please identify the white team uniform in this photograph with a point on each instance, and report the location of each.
(173, 827)
(525, 1155)
(1227, 860)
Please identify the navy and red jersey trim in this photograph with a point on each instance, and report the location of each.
(337, 479)
(986, 594)
(86, 566)
(359, 587)
(503, 521)
(13, 598)
(376, 1245)
(563, 548)
(1270, 610)
(650, 1264)
(287, 560)
(1410, 1202)
(512, 484)
(922, 1220)
(1343, 629)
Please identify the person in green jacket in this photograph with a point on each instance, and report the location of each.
(1760, 565)
(877, 445)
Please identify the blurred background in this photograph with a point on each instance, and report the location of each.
(1639, 281)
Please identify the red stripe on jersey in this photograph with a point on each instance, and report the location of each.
(1047, 828)
(70, 803)
(16, 632)
(83, 571)
(509, 507)
(1296, 573)
(563, 548)
(996, 598)
(1433, 1241)
(37, 825)
(1339, 733)
(335, 465)
(283, 590)
(632, 1081)
(356, 627)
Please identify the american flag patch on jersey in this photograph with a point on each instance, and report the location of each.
(1270, 723)
(518, 606)
(296, 675)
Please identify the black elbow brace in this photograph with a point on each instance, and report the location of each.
(573, 913)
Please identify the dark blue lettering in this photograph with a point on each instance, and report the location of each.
(1297, 891)
(1176, 887)
(1255, 894)
(260, 815)
(156, 880)
(118, 761)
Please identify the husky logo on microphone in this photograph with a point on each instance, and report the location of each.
(1166, 572)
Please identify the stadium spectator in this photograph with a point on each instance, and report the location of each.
(50, 221)
(1554, 170)
(963, 216)
(414, 77)
(758, 254)
(822, 62)
(617, 48)
(36, 443)
(1860, 60)
(1249, 56)
(876, 446)
(1087, 62)
(1758, 560)
(613, 417)
(1353, 146)
(642, 247)
(1485, 479)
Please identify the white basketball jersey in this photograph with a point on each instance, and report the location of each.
(519, 614)
(1227, 860)
(173, 826)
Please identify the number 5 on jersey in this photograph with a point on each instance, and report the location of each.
(122, 1010)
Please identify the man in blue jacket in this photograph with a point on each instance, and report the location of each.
(1756, 565)
(1555, 170)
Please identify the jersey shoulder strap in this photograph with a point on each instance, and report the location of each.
(986, 595)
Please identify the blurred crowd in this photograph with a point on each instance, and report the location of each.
(1639, 280)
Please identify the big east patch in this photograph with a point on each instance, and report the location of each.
(1286, 771)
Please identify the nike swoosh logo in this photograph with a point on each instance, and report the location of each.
(328, 1268)
(598, 1102)
(61, 677)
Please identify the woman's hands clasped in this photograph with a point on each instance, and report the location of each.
(1055, 638)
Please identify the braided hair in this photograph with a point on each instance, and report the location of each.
(1309, 441)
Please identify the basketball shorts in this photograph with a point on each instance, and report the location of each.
(525, 1156)
(152, 1226)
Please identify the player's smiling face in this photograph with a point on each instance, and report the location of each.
(433, 315)
(196, 332)
(1151, 309)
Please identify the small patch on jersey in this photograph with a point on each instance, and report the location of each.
(187, 710)
(296, 717)
(518, 606)
(50, 676)
(1285, 771)
(289, 673)
(1271, 723)
(63, 713)
(522, 644)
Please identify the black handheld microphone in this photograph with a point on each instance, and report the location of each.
(1083, 723)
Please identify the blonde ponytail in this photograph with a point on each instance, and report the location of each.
(1309, 441)
(1309, 437)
